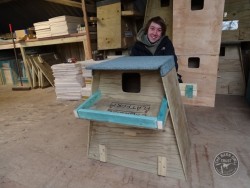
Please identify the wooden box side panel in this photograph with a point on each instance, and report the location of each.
(109, 26)
(179, 119)
(197, 31)
(205, 77)
(136, 148)
(151, 86)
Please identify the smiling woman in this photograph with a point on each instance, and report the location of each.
(152, 41)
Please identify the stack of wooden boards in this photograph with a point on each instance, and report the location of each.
(39, 69)
(42, 29)
(57, 26)
(68, 81)
(64, 25)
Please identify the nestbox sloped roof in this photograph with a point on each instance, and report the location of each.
(162, 63)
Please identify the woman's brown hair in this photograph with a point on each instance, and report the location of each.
(159, 21)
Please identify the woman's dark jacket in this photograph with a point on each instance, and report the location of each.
(165, 48)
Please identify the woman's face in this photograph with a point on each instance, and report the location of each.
(154, 32)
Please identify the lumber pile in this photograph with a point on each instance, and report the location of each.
(39, 69)
(64, 25)
(57, 26)
(42, 29)
(68, 81)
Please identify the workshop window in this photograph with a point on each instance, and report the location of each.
(197, 4)
(193, 62)
(131, 82)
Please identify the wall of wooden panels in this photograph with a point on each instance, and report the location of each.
(196, 35)
(237, 10)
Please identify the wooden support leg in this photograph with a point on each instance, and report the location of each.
(162, 166)
(103, 153)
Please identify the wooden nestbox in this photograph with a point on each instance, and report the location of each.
(136, 115)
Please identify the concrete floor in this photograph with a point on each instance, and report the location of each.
(42, 145)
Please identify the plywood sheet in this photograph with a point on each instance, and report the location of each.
(197, 32)
(109, 26)
(179, 119)
(151, 86)
(136, 148)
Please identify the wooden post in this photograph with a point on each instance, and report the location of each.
(30, 82)
(87, 48)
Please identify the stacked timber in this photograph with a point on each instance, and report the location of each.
(39, 69)
(68, 81)
(87, 75)
(42, 29)
(64, 25)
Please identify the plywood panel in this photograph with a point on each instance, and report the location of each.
(151, 86)
(179, 119)
(109, 26)
(205, 77)
(197, 32)
(136, 148)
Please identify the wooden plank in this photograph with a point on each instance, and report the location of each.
(46, 72)
(125, 112)
(88, 55)
(151, 88)
(179, 119)
(103, 153)
(2, 82)
(204, 76)
(109, 19)
(162, 166)
(52, 41)
(34, 72)
(130, 13)
(30, 82)
(7, 76)
(184, 91)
